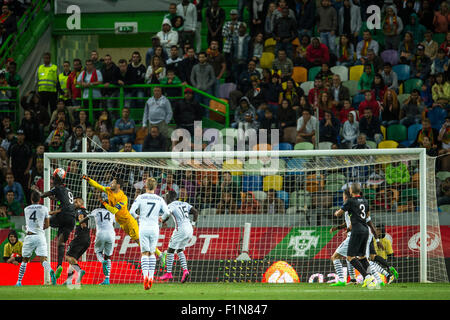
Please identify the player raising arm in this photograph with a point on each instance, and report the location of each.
(181, 235)
(105, 238)
(36, 221)
(64, 217)
(150, 207)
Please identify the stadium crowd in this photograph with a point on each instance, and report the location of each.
(311, 68)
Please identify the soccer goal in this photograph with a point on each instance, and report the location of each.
(258, 208)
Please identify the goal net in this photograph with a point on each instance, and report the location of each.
(266, 216)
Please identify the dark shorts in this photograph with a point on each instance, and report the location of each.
(64, 223)
(357, 244)
(77, 247)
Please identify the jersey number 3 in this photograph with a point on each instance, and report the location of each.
(363, 210)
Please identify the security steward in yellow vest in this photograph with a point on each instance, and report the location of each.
(62, 84)
(47, 78)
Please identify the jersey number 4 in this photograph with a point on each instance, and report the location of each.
(106, 217)
(32, 217)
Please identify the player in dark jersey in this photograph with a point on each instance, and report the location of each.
(357, 208)
(80, 243)
(64, 217)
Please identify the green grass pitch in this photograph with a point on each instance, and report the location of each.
(229, 291)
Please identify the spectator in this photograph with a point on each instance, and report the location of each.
(169, 185)
(441, 90)
(392, 28)
(103, 126)
(329, 128)
(345, 51)
(315, 93)
(350, 131)
(188, 12)
(5, 127)
(15, 187)
(82, 120)
(30, 128)
(167, 36)
(206, 193)
(172, 12)
(88, 78)
(349, 21)
(13, 207)
(412, 108)
(375, 61)
(272, 204)
(73, 92)
(249, 204)
(75, 142)
(217, 60)
(135, 74)
(60, 132)
(269, 20)
(240, 53)
(4, 163)
(361, 142)
(440, 63)
(305, 10)
(156, 46)
(390, 109)
(443, 197)
(407, 48)
(364, 45)
(292, 92)
(215, 19)
(317, 53)
(8, 20)
(420, 64)
(158, 111)
(186, 65)
(61, 85)
(325, 74)
(286, 116)
(111, 74)
(283, 65)
(31, 101)
(93, 140)
(345, 110)
(446, 44)
(19, 154)
(257, 96)
(389, 76)
(106, 145)
(431, 149)
(327, 24)
(98, 64)
(36, 174)
(61, 113)
(338, 92)
(56, 144)
(269, 123)
(171, 79)
(426, 131)
(273, 90)
(324, 105)
(299, 58)
(441, 18)
(306, 127)
(378, 88)
(127, 147)
(227, 204)
(155, 71)
(47, 77)
(366, 80)
(203, 78)
(431, 46)
(284, 32)
(187, 111)
(173, 62)
(11, 76)
(426, 15)
(370, 126)
(229, 30)
(249, 122)
(12, 252)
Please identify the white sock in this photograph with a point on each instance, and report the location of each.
(152, 266)
(374, 272)
(338, 267)
(22, 269)
(169, 262)
(183, 260)
(108, 267)
(145, 265)
(351, 270)
(46, 266)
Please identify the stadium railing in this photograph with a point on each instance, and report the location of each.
(15, 98)
(89, 105)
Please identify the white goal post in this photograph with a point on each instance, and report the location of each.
(316, 160)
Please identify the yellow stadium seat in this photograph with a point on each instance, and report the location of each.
(356, 72)
(267, 60)
(388, 144)
(232, 165)
(273, 182)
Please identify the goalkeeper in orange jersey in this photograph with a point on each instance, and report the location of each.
(118, 205)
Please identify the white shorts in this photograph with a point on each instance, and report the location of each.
(368, 244)
(34, 243)
(180, 238)
(104, 242)
(343, 247)
(148, 239)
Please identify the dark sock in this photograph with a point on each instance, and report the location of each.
(60, 254)
(358, 266)
(382, 262)
(365, 264)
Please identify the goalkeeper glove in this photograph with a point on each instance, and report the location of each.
(85, 177)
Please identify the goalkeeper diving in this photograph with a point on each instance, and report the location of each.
(118, 205)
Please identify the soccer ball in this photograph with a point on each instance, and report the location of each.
(60, 173)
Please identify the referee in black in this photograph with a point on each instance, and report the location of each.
(64, 217)
(358, 210)
(80, 243)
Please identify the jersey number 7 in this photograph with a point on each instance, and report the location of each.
(152, 204)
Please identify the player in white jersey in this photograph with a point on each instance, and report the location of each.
(37, 219)
(150, 206)
(181, 235)
(105, 237)
(341, 251)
